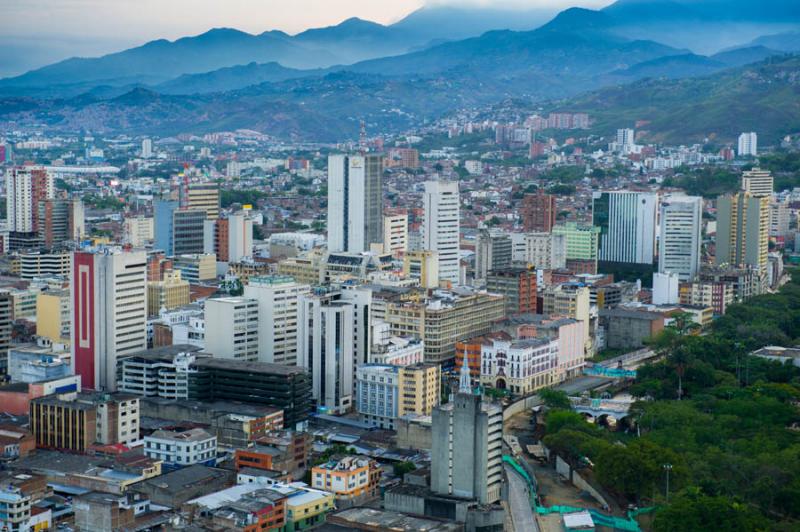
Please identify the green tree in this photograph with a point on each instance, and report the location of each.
(404, 467)
(555, 398)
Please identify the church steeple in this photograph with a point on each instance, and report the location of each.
(464, 381)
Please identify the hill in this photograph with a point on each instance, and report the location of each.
(762, 97)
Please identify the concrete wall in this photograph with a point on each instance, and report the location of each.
(578, 481)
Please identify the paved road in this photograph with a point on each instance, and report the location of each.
(519, 501)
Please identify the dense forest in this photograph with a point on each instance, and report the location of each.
(726, 424)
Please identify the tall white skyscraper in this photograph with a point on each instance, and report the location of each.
(626, 139)
(680, 240)
(355, 202)
(278, 299)
(748, 145)
(440, 226)
(240, 236)
(627, 222)
(109, 305)
(147, 148)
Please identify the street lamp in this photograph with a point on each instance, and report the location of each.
(667, 468)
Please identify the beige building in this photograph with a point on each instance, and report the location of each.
(198, 267)
(395, 234)
(571, 301)
(205, 197)
(743, 230)
(422, 265)
(53, 315)
(171, 292)
(445, 319)
(420, 389)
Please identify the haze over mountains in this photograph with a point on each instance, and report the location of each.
(321, 82)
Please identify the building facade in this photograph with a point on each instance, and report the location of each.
(441, 226)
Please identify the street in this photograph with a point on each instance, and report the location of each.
(519, 500)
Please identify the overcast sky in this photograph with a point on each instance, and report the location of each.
(40, 31)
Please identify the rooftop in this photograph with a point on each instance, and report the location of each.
(195, 434)
(385, 520)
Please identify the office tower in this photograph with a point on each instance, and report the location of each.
(546, 251)
(440, 226)
(240, 235)
(168, 293)
(138, 231)
(582, 242)
(743, 230)
(493, 251)
(231, 325)
(395, 234)
(680, 241)
(147, 148)
(665, 288)
(6, 312)
(59, 220)
(518, 288)
(203, 197)
(26, 187)
(109, 321)
(422, 265)
(466, 446)
(748, 145)
(278, 298)
(538, 212)
(355, 202)
(627, 222)
(163, 220)
(187, 231)
(333, 338)
(780, 217)
(386, 392)
(758, 182)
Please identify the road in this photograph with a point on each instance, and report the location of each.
(519, 501)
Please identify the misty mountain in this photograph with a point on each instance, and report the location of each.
(231, 78)
(763, 97)
(704, 26)
(788, 41)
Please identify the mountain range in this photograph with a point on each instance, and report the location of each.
(403, 74)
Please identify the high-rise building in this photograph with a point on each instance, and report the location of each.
(743, 230)
(163, 220)
(493, 251)
(546, 251)
(466, 446)
(26, 187)
(278, 298)
(53, 320)
(202, 196)
(538, 212)
(395, 234)
(780, 217)
(355, 202)
(748, 145)
(627, 222)
(230, 238)
(138, 230)
(147, 148)
(187, 231)
(626, 140)
(231, 325)
(333, 338)
(440, 226)
(680, 241)
(109, 303)
(758, 182)
(60, 220)
(582, 242)
(6, 313)
(386, 392)
(518, 288)
(571, 300)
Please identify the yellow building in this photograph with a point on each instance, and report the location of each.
(196, 268)
(419, 389)
(743, 231)
(306, 269)
(205, 197)
(244, 270)
(308, 509)
(171, 292)
(352, 477)
(422, 265)
(53, 316)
